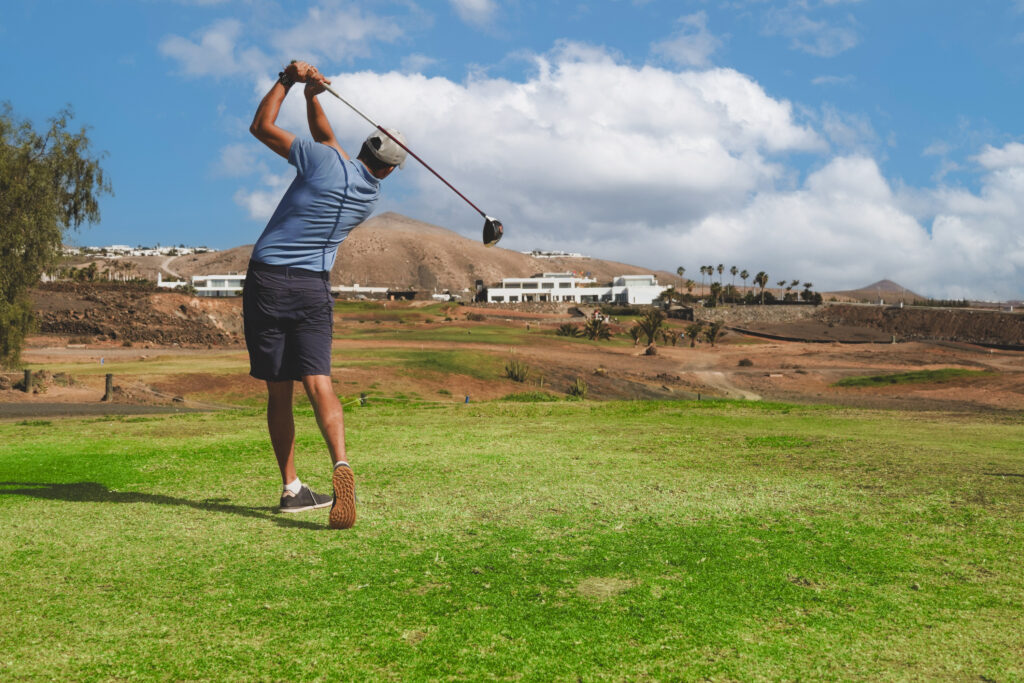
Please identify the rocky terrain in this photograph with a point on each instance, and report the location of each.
(131, 314)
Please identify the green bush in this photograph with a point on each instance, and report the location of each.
(578, 389)
(517, 371)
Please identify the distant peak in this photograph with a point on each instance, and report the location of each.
(886, 286)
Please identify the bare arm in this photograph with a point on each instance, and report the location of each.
(264, 124)
(319, 126)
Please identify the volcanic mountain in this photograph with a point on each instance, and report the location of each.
(883, 289)
(392, 250)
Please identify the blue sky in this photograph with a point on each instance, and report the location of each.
(836, 141)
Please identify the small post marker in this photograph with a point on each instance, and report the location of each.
(362, 399)
(28, 381)
(109, 393)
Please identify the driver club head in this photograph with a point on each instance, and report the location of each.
(493, 231)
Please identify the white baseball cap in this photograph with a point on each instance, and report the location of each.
(385, 149)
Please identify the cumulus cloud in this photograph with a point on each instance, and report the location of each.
(215, 52)
(417, 63)
(338, 34)
(845, 227)
(663, 168)
(691, 45)
(335, 34)
(476, 12)
(239, 160)
(1008, 157)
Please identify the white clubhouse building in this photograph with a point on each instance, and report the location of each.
(625, 289)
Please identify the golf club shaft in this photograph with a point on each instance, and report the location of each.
(400, 144)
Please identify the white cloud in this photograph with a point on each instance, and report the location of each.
(417, 63)
(1010, 156)
(845, 228)
(259, 203)
(476, 12)
(848, 132)
(691, 45)
(660, 168)
(215, 52)
(833, 80)
(586, 141)
(338, 34)
(239, 160)
(817, 37)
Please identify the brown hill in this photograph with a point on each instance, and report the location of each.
(883, 289)
(391, 250)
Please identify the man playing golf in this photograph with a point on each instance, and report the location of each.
(287, 303)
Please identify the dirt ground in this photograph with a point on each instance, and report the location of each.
(198, 333)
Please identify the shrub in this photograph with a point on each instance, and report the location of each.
(568, 330)
(746, 363)
(597, 330)
(517, 371)
(715, 331)
(476, 317)
(578, 389)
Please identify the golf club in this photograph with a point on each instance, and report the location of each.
(493, 229)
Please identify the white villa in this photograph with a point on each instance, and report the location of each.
(625, 289)
(207, 285)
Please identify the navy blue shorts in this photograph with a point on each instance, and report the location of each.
(289, 321)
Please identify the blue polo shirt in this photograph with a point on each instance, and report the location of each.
(329, 196)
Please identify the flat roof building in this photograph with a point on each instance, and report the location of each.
(568, 287)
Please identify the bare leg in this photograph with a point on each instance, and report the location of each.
(329, 414)
(281, 424)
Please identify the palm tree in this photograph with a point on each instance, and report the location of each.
(716, 292)
(690, 284)
(597, 329)
(650, 325)
(732, 271)
(720, 269)
(703, 270)
(794, 283)
(693, 331)
(761, 280)
(743, 276)
(679, 271)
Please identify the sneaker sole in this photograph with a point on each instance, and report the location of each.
(343, 512)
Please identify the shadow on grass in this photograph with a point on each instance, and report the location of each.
(92, 492)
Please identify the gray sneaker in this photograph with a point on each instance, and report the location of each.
(305, 499)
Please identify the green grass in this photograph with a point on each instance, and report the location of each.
(552, 541)
(227, 362)
(390, 311)
(425, 363)
(915, 377)
(476, 333)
